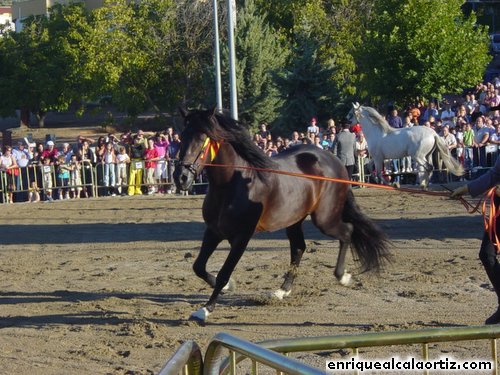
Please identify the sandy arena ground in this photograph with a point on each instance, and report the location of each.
(105, 286)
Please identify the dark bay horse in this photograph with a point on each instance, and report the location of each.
(241, 201)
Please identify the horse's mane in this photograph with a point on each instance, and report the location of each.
(223, 128)
(377, 119)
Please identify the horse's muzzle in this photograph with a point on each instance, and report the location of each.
(184, 176)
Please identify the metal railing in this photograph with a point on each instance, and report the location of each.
(239, 349)
(271, 352)
(91, 177)
(377, 339)
(186, 360)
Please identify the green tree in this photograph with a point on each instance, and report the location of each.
(420, 48)
(40, 69)
(150, 54)
(259, 56)
(307, 88)
(334, 27)
(192, 54)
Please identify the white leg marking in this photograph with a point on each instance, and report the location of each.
(230, 286)
(200, 314)
(345, 279)
(280, 294)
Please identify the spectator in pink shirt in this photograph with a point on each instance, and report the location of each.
(161, 145)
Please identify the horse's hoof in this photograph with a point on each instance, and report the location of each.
(280, 294)
(230, 286)
(345, 280)
(200, 315)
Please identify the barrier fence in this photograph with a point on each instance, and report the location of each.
(92, 179)
(188, 359)
(85, 180)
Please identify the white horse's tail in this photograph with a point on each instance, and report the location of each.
(451, 163)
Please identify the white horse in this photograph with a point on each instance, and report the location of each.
(385, 142)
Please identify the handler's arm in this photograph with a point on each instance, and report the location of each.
(481, 184)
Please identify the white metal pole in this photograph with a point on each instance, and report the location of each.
(231, 6)
(218, 92)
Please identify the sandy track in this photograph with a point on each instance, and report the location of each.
(104, 286)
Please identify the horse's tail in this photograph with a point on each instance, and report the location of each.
(451, 163)
(368, 241)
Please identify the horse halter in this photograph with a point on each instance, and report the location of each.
(209, 147)
(357, 114)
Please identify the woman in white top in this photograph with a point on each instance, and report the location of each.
(109, 161)
(9, 166)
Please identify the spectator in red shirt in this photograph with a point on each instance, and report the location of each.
(356, 128)
(151, 158)
(50, 152)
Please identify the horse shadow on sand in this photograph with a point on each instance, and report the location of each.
(97, 315)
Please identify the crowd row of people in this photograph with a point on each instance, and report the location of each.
(470, 127)
(131, 164)
(140, 163)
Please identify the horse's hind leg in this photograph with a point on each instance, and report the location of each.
(297, 247)
(210, 242)
(342, 231)
(424, 172)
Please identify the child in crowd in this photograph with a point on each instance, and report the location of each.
(75, 176)
(62, 172)
(122, 159)
(33, 192)
(47, 179)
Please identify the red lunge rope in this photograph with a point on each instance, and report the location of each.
(489, 211)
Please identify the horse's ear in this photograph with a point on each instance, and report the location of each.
(183, 112)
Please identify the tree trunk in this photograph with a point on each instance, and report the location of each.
(25, 117)
(40, 115)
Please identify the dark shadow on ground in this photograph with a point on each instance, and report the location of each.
(466, 226)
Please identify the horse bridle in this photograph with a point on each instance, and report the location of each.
(356, 113)
(193, 166)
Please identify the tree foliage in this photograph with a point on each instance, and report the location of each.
(260, 56)
(334, 28)
(295, 58)
(150, 54)
(307, 88)
(40, 68)
(420, 48)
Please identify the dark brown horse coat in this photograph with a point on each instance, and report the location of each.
(240, 201)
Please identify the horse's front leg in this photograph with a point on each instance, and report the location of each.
(238, 246)
(210, 242)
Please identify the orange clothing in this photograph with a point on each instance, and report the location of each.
(415, 113)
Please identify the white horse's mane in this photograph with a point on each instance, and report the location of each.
(377, 119)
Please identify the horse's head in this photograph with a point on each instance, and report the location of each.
(195, 147)
(354, 114)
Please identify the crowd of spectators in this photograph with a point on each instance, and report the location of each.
(143, 163)
(129, 164)
(469, 125)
